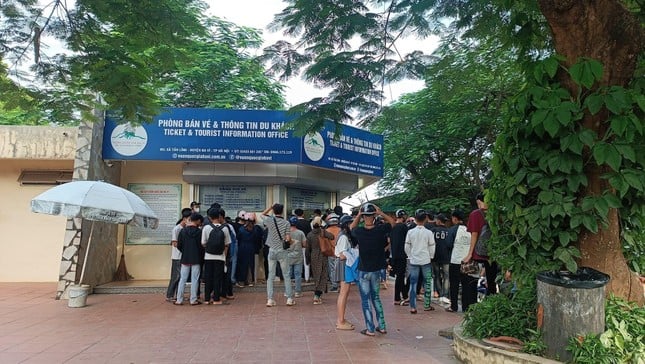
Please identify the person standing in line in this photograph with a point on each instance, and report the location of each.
(228, 282)
(299, 240)
(441, 260)
(278, 233)
(304, 226)
(214, 263)
(344, 245)
(371, 239)
(476, 222)
(459, 239)
(249, 242)
(334, 229)
(316, 260)
(175, 268)
(419, 247)
(399, 258)
(188, 243)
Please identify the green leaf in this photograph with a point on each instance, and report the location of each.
(626, 151)
(551, 65)
(552, 126)
(570, 264)
(596, 69)
(522, 189)
(535, 234)
(539, 116)
(521, 251)
(590, 223)
(588, 203)
(576, 73)
(563, 115)
(587, 137)
(601, 206)
(613, 157)
(634, 180)
(564, 238)
(612, 200)
(594, 103)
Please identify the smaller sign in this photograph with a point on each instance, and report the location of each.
(165, 201)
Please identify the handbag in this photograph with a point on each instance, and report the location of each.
(469, 268)
(285, 243)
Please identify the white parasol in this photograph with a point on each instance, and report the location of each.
(95, 201)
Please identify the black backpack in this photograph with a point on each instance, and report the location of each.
(216, 240)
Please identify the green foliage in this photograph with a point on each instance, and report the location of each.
(501, 315)
(540, 168)
(221, 73)
(622, 342)
(438, 141)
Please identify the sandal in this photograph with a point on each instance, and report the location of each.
(382, 331)
(429, 308)
(177, 303)
(345, 326)
(367, 333)
(405, 302)
(413, 311)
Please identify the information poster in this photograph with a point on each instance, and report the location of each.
(233, 198)
(307, 200)
(165, 201)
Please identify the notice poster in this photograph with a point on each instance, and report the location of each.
(307, 199)
(165, 201)
(234, 198)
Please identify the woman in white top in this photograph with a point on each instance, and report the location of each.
(343, 247)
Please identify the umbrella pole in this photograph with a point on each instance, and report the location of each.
(87, 250)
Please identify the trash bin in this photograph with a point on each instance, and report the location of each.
(570, 304)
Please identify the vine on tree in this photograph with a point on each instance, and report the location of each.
(539, 168)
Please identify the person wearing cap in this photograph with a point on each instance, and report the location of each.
(371, 240)
(195, 206)
(334, 229)
(419, 247)
(399, 258)
(441, 260)
(299, 241)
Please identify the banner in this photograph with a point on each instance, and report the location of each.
(217, 135)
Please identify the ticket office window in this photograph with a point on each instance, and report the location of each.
(233, 198)
(307, 200)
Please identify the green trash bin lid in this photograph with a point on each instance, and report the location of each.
(585, 277)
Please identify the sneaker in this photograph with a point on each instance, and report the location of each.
(297, 295)
(238, 285)
(250, 284)
(317, 300)
(445, 300)
(270, 303)
(291, 302)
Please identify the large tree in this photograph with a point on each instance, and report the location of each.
(136, 56)
(350, 47)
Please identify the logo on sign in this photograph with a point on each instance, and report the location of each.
(129, 140)
(314, 146)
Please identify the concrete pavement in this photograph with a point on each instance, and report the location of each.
(144, 328)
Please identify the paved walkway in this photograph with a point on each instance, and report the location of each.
(143, 328)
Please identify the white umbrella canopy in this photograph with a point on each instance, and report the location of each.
(97, 201)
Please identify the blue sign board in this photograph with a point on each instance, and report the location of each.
(218, 135)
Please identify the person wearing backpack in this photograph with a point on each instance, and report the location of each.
(188, 243)
(215, 239)
(479, 232)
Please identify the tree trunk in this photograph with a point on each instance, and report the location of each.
(603, 30)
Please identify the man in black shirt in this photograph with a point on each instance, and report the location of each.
(399, 258)
(305, 226)
(441, 260)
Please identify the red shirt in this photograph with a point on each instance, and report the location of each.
(476, 221)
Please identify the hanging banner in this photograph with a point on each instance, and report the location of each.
(261, 136)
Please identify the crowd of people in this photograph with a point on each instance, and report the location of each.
(424, 253)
